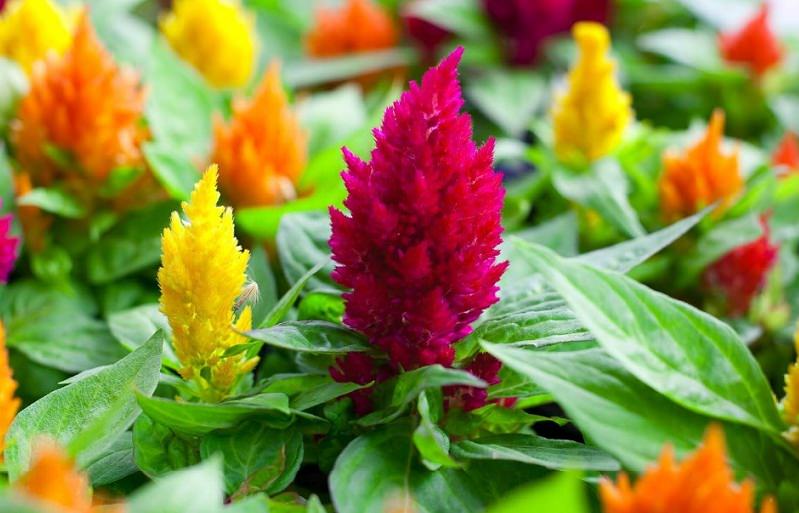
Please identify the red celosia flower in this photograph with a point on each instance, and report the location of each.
(740, 274)
(361, 369)
(428, 35)
(419, 248)
(485, 367)
(525, 25)
(787, 152)
(9, 246)
(754, 46)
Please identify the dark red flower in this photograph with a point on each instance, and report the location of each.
(485, 367)
(426, 34)
(754, 45)
(787, 153)
(740, 274)
(419, 247)
(361, 369)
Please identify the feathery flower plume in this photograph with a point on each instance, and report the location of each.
(9, 404)
(701, 175)
(591, 115)
(485, 367)
(358, 26)
(741, 274)
(790, 404)
(201, 277)
(30, 29)
(671, 486)
(217, 37)
(754, 45)
(86, 109)
(787, 153)
(419, 248)
(9, 247)
(262, 152)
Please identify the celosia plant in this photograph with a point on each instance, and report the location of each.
(9, 404)
(418, 249)
(590, 117)
(357, 26)
(702, 483)
(201, 277)
(700, 176)
(225, 54)
(787, 153)
(261, 153)
(9, 247)
(31, 29)
(754, 45)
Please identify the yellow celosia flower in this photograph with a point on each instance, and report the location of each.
(790, 405)
(217, 37)
(9, 405)
(201, 276)
(591, 115)
(29, 29)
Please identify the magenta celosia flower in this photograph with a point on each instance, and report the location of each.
(419, 248)
(740, 274)
(485, 367)
(9, 246)
(526, 24)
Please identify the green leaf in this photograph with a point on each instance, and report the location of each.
(536, 450)
(311, 337)
(202, 418)
(260, 272)
(159, 450)
(54, 200)
(560, 493)
(430, 440)
(115, 463)
(322, 393)
(257, 458)
(135, 326)
(175, 172)
(302, 74)
(283, 306)
(632, 421)
(695, 48)
(63, 414)
(717, 242)
(331, 116)
(689, 356)
(508, 98)
(604, 189)
(462, 17)
(302, 244)
(197, 489)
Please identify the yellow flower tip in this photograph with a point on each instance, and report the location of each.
(30, 29)
(672, 486)
(591, 115)
(701, 175)
(202, 274)
(9, 404)
(790, 404)
(217, 37)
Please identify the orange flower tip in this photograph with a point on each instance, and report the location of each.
(787, 153)
(357, 26)
(755, 45)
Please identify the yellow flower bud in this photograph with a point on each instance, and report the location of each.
(30, 29)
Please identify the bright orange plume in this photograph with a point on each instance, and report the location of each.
(262, 152)
(755, 45)
(81, 117)
(787, 152)
(701, 175)
(9, 404)
(702, 483)
(358, 26)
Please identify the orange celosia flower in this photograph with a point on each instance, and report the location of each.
(9, 405)
(754, 46)
(702, 483)
(83, 109)
(262, 152)
(358, 26)
(701, 175)
(787, 153)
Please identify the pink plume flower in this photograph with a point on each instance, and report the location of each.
(418, 250)
(9, 248)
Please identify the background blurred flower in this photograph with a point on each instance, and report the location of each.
(427, 35)
(702, 483)
(217, 37)
(787, 153)
(9, 404)
(9, 247)
(419, 247)
(701, 175)
(81, 118)
(30, 29)
(591, 116)
(754, 45)
(201, 276)
(357, 26)
(261, 153)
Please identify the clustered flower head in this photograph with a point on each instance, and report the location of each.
(217, 37)
(9, 404)
(670, 486)
(591, 116)
(31, 29)
(700, 176)
(418, 249)
(357, 26)
(790, 404)
(741, 274)
(262, 152)
(9, 247)
(84, 107)
(485, 367)
(754, 45)
(525, 25)
(201, 277)
(787, 153)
